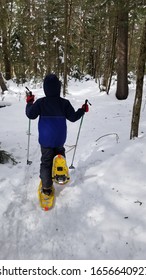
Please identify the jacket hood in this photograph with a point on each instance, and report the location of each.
(51, 85)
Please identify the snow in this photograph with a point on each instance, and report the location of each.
(100, 214)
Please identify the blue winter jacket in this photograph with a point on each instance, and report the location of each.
(53, 112)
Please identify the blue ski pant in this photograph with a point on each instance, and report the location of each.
(46, 164)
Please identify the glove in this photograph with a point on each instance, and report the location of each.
(30, 99)
(85, 107)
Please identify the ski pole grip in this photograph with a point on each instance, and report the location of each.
(87, 101)
(28, 93)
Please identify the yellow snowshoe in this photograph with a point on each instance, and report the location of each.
(60, 173)
(46, 201)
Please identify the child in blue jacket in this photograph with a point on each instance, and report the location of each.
(53, 111)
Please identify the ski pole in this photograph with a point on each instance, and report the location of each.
(28, 145)
(71, 166)
(28, 93)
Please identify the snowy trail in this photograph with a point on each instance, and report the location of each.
(100, 214)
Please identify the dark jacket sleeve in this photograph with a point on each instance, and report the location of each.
(33, 110)
(71, 114)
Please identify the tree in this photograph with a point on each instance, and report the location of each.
(122, 50)
(69, 37)
(5, 28)
(2, 83)
(139, 85)
(110, 46)
(66, 35)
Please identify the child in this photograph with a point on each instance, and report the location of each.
(53, 111)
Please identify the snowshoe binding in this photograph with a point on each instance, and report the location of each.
(60, 173)
(46, 201)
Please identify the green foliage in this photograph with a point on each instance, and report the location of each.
(34, 35)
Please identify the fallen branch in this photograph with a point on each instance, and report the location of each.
(108, 134)
(6, 157)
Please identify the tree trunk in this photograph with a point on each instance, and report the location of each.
(110, 62)
(122, 50)
(2, 83)
(139, 86)
(65, 48)
(5, 38)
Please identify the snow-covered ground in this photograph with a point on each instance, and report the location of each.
(100, 214)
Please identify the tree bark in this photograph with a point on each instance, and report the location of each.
(2, 83)
(5, 38)
(65, 48)
(139, 86)
(122, 51)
